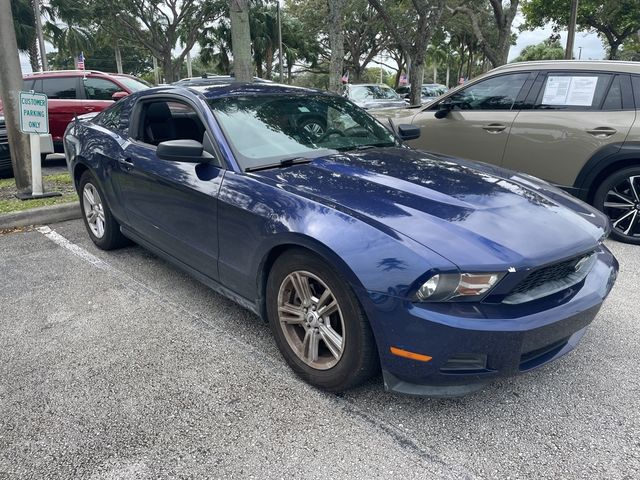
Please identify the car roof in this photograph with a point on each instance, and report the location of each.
(369, 85)
(70, 73)
(601, 65)
(241, 89)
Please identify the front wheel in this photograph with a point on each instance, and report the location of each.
(318, 323)
(619, 198)
(103, 229)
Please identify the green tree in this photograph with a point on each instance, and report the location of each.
(496, 49)
(24, 26)
(411, 24)
(547, 50)
(614, 20)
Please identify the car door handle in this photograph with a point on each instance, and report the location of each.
(602, 131)
(127, 163)
(494, 127)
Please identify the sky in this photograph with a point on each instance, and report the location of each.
(592, 48)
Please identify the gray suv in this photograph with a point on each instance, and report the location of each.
(572, 123)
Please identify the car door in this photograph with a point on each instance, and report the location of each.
(64, 102)
(478, 125)
(98, 93)
(571, 115)
(171, 204)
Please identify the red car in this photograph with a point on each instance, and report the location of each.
(75, 92)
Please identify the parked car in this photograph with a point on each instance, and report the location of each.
(429, 91)
(372, 96)
(76, 92)
(573, 123)
(212, 79)
(360, 252)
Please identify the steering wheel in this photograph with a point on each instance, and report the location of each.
(328, 133)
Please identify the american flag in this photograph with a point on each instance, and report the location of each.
(403, 79)
(345, 77)
(81, 61)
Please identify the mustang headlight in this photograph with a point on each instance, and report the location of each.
(456, 286)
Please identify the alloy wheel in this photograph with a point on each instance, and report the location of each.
(622, 206)
(311, 320)
(314, 129)
(93, 210)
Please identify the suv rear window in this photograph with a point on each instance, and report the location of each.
(573, 91)
(57, 87)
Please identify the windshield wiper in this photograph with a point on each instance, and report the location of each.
(285, 162)
(364, 147)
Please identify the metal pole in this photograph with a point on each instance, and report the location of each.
(579, 53)
(568, 54)
(118, 58)
(43, 52)
(10, 86)
(280, 41)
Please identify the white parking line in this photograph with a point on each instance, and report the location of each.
(72, 247)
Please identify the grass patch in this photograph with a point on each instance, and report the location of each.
(59, 182)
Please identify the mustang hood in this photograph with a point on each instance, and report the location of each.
(473, 214)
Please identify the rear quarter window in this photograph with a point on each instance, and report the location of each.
(574, 91)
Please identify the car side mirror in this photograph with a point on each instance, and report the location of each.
(408, 132)
(181, 151)
(444, 107)
(118, 95)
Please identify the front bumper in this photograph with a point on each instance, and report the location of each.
(505, 340)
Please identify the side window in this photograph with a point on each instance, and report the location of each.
(496, 93)
(573, 91)
(110, 118)
(100, 88)
(27, 84)
(169, 120)
(635, 80)
(613, 100)
(59, 87)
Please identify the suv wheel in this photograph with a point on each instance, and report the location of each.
(619, 198)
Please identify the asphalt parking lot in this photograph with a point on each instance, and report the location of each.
(117, 365)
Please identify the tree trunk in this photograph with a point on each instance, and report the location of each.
(167, 69)
(34, 58)
(336, 43)
(10, 86)
(268, 62)
(241, 40)
(448, 73)
(435, 73)
(416, 77)
(613, 50)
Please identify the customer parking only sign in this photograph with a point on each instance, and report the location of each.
(34, 113)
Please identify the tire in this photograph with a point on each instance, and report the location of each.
(314, 127)
(43, 158)
(103, 229)
(619, 198)
(344, 344)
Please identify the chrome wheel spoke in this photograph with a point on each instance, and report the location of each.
(622, 206)
(332, 340)
(631, 181)
(301, 285)
(621, 197)
(633, 213)
(291, 314)
(310, 345)
(328, 309)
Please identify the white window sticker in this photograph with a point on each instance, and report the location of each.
(573, 91)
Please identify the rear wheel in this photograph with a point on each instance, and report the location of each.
(619, 198)
(103, 229)
(318, 324)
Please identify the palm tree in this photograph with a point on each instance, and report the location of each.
(70, 39)
(24, 24)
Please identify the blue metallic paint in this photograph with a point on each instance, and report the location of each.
(385, 219)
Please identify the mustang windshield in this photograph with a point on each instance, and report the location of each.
(265, 129)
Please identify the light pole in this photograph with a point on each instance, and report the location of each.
(568, 54)
(579, 53)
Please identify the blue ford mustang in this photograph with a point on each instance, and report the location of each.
(360, 252)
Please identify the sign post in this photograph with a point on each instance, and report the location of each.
(34, 121)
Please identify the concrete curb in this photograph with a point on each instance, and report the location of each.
(41, 215)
